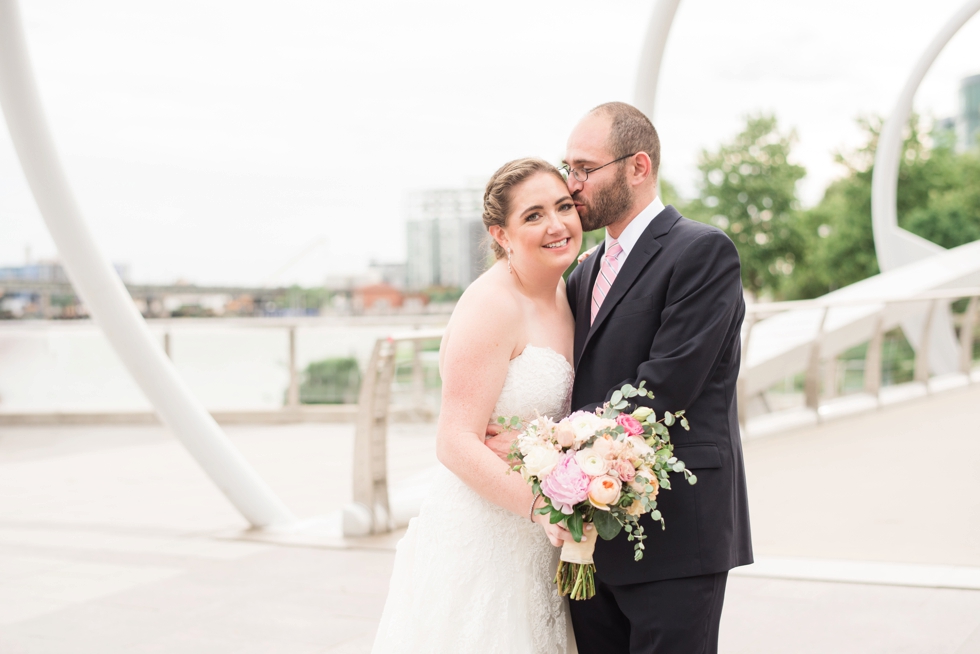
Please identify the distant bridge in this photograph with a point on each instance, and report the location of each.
(44, 287)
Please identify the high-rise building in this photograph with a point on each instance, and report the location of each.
(446, 238)
(968, 125)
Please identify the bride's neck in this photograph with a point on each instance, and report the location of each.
(537, 284)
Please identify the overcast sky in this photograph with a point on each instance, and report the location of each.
(217, 141)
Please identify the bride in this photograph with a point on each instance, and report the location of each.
(474, 570)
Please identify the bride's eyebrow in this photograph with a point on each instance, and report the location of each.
(563, 199)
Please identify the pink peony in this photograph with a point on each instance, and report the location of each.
(567, 485)
(630, 424)
(625, 470)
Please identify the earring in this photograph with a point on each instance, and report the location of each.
(510, 251)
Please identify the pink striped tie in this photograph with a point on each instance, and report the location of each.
(608, 267)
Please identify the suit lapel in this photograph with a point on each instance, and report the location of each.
(644, 251)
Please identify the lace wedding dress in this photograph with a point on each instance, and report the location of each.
(470, 576)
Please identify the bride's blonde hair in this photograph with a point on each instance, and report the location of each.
(496, 199)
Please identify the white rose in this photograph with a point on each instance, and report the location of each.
(541, 460)
(584, 424)
(640, 446)
(591, 462)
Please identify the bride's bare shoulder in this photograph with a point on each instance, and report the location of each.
(488, 308)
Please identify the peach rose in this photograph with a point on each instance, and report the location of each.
(636, 508)
(604, 491)
(565, 436)
(602, 446)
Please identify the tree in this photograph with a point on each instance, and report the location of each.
(938, 199)
(748, 189)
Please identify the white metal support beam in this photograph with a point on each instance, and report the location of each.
(104, 294)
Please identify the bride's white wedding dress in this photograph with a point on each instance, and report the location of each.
(470, 576)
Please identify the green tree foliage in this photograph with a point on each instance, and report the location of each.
(938, 199)
(748, 189)
(331, 381)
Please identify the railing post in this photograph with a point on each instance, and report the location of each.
(371, 513)
(872, 359)
(922, 352)
(292, 400)
(741, 386)
(418, 379)
(966, 337)
(166, 345)
(811, 383)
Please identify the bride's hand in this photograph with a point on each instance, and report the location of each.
(588, 253)
(556, 533)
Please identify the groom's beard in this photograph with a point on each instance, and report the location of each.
(609, 203)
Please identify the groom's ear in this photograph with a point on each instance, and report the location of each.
(643, 171)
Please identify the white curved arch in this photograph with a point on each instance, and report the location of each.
(652, 55)
(894, 246)
(104, 294)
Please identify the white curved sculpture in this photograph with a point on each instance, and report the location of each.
(104, 294)
(652, 55)
(894, 246)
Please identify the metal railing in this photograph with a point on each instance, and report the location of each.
(873, 357)
(371, 511)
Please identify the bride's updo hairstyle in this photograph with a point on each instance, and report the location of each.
(496, 199)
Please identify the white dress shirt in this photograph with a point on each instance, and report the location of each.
(631, 233)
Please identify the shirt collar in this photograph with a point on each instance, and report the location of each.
(636, 227)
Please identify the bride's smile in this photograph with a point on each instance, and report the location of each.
(543, 230)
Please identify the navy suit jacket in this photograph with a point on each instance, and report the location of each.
(673, 318)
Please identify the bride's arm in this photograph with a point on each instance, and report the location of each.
(475, 359)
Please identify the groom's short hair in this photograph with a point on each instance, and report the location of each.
(631, 131)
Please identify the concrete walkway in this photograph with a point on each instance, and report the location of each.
(112, 540)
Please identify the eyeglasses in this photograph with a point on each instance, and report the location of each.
(582, 174)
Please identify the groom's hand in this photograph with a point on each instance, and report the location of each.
(498, 439)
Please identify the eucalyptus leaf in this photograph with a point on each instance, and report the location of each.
(515, 421)
(679, 466)
(606, 524)
(692, 480)
(655, 515)
(668, 418)
(616, 398)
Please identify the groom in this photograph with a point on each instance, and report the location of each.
(659, 301)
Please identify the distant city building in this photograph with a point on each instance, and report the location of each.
(446, 238)
(48, 271)
(968, 123)
(393, 274)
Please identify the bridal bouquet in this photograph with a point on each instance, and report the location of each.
(604, 469)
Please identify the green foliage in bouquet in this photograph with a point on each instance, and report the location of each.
(605, 469)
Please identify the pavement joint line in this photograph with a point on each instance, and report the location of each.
(863, 572)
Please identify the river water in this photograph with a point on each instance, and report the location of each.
(240, 364)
